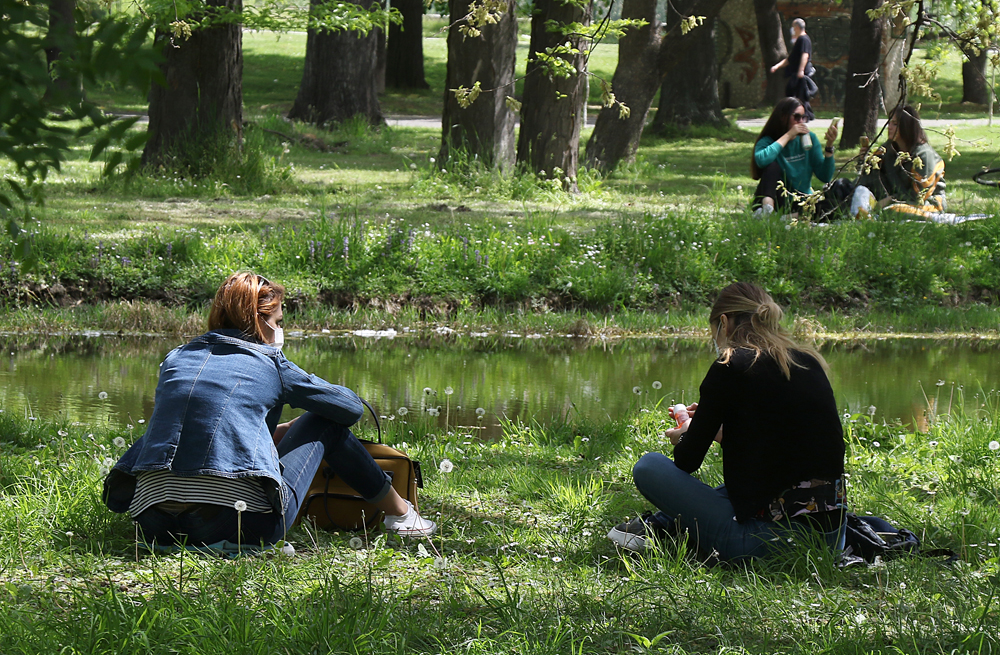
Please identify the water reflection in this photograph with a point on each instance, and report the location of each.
(68, 377)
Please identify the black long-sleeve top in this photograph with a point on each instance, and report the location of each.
(779, 435)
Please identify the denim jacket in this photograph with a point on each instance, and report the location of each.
(218, 399)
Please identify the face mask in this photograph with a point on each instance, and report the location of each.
(279, 338)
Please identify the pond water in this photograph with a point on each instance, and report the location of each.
(93, 379)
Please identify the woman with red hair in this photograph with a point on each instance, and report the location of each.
(214, 464)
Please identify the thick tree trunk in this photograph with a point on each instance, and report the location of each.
(772, 48)
(975, 88)
(405, 57)
(689, 94)
(62, 31)
(634, 84)
(618, 141)
(862, 92)
(485, 129)
(202, 102)
(552, 109)
(339, 80)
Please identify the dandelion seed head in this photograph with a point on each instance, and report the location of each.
(637, 390)
(994, 445)
(871, 410)
(480, 412)
(240, 506)
(402, 411)
(448, 391)
(940, 383)
(62, 433)
(356, 543)
(446, 466)
(119, 442)
(440, 563)
(657, 384)
(428, 391)
(103, 395)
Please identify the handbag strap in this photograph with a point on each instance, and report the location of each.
(378, 425)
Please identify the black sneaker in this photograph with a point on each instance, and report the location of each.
(636, 534)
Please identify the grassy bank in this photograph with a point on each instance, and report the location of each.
(521, 564)
(654, 263)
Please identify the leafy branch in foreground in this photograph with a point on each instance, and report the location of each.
(182, 18)
(42, 118)
(554, 61)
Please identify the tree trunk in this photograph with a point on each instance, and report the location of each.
(202, 102)
(618, 141)
(381, 59)
(485, 129)
(862, 92)
(552, 109)
(975, 88)
(689, 94)
(772, 48)
(405, 65)
(339, 80)
(62, 31)
(634, 84)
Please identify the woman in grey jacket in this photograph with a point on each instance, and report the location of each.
(214, 464)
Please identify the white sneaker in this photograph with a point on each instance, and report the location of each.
(410, 524)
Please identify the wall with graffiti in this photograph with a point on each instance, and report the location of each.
(742, 76)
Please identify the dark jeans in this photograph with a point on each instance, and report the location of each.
(767, 187)
(310, 440)
(710, 519)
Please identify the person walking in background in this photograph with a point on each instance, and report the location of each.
(799, 68)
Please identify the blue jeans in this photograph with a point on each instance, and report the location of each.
(309, 441)
(708, 516)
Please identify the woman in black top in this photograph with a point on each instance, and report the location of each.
(783, 449)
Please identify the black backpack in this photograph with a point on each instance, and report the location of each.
(869, 537)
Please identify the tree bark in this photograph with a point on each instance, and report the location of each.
(552, 109)
(862, 91)
(975, 88)
(202, 102)
(616, 138)
(485, 129)
(62, 32)
(339, 80)
(615, 142)
(405, 57)
(689, 94)
(381, 59)
(772, 48)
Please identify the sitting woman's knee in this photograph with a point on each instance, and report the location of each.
(649, 466)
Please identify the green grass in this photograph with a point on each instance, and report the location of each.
(524, 566)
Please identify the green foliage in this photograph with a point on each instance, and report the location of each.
(42, 111)
(182, 17)
(214, 165)
(638, 262)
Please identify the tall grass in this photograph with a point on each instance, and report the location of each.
(524, 566)
(641, 262)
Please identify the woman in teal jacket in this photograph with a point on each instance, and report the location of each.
(786, 151)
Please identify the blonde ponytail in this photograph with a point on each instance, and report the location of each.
(756, 321)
